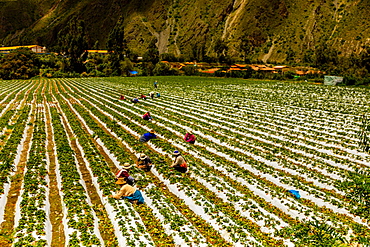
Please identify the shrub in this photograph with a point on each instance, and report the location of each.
(313, 234)
(19, 64)
(190, 70)
(357, 189)
(162, 69)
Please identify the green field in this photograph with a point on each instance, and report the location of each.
(63, 140)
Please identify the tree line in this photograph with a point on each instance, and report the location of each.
(72, 60)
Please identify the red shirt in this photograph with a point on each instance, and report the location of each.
(146, 116)
(189, 137)
(122, 174)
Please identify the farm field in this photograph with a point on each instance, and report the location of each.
(62, 141)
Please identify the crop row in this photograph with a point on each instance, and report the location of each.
(254, 144)
(157, 102)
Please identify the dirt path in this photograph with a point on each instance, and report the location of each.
(105, 226)
(155, 230)
(12, 106)
(56, 211)
(146, 213)
(7, 227)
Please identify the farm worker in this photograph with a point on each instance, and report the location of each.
(144, 162)
(190, 137)
(132, 194)
(158, 95)
(148, 136)
(179, 162)
(142, 96)
(147, 116)
(155, 84)
(122, 97)
(123, 177)
(151, 94)
(135, 100)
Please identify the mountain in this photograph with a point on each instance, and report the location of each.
(267, 30)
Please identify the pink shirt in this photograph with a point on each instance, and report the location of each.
(189, 137)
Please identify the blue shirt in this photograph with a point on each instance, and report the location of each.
(147, 136)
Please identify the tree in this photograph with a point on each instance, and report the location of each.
(151, 57)
(246, 47)
(97, 65)
(170, 57)
(220, 49)
(117, 46)
(126, 66)
(365, 58)
(72, 42)
(162, 69)
(190, 70)
(198, 50)
(152, 53)
(290, 55)
(326, 58)
(21, 63)
(51, 64)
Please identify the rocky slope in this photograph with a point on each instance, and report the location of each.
(267, 30)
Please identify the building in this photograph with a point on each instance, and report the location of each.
(210, 71)
(34, 48)
(97, 51)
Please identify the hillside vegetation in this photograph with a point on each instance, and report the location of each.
(258, 30)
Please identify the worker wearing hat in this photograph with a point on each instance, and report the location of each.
(190, 137)
(179, 163)
(122, 176)
(148, 136)
(132, 194)
(147, 116)
(142, 96)
(144, 162)
(151, 94)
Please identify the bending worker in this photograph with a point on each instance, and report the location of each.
(142, 96)
(132, 194)
(190, 137)
(144, 162)
(148, 136)
(147, 116)
(123, 177)
(151, 94)
(179, 162)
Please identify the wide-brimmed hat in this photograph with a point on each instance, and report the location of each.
(152, 131)
(142, 156)
(120, 181)
(126, 166)
(176, 152)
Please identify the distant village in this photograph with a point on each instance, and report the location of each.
(202, 67)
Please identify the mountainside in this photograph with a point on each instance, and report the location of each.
(267, 30)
